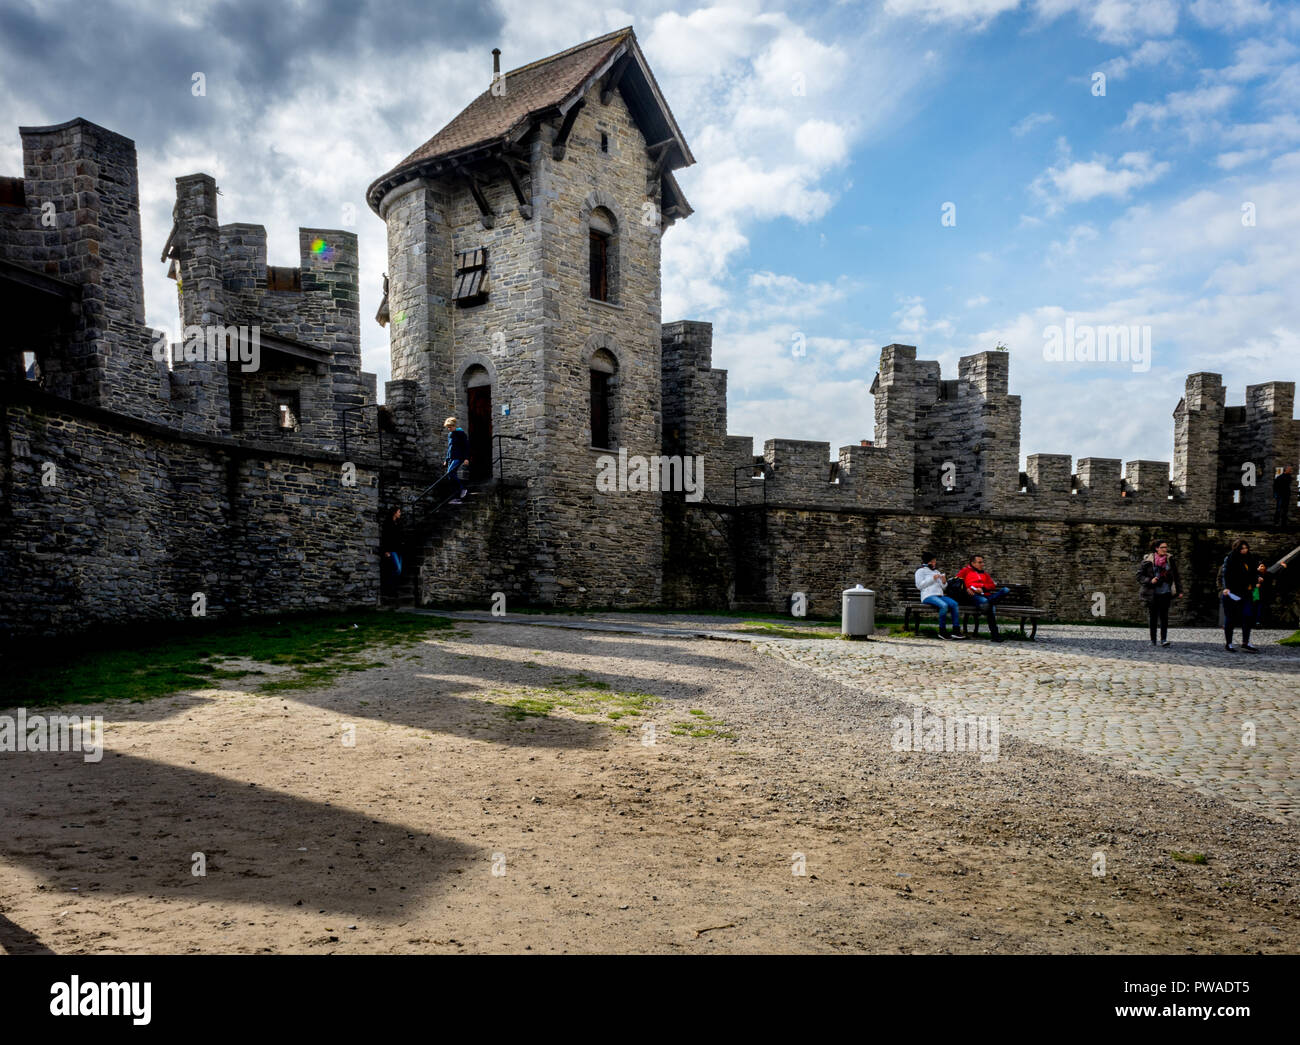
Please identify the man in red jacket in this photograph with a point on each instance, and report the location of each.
(983, 592)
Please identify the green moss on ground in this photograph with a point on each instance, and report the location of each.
(318, 648)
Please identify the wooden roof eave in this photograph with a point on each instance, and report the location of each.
(297, 350)
(687, 158)
(30, 279)
(442, 166)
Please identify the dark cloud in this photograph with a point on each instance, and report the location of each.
(123, 65)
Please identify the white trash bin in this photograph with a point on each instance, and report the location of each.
(858, 612)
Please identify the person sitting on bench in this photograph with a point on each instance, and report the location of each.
(930, 583)
(983, 591)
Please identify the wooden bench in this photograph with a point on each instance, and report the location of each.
(914, 608)
(1014, 606)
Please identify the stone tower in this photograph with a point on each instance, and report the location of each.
(524, 296)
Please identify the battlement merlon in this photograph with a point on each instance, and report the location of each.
(691, 342)
(1272, 399)
(75, 227)
(986, 374)
(894, 390)
(1147, 479)
(1049, 476)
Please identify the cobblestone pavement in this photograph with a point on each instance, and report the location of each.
(1184, 714)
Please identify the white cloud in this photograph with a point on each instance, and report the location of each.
(1256, 58)
(1187, 107)
(1152, 53)
(1126, 19)
(1231, 14)
(912, 319)
(772, 296)
(1080, 181)
(1034, 119)
(976, 301)
(1117, 21)
(978, 11)
(1079, 235)
(1230, 161)
(822, 142)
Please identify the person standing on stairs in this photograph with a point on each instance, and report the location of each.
(390, 550)
(457, 455)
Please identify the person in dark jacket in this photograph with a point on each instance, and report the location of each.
(390, 550)
(1238, 578)
(457, 455)
(1283, 496)
(1160, 586)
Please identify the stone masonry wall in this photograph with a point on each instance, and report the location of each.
(608, 543)
(84, 177)
(140, 517)
(821, 553)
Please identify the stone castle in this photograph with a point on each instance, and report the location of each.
(144, 475)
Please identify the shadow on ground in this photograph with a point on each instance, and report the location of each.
(131, 826)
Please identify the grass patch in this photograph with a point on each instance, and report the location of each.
(317, 647)
(701, 726)
(584, 697)
(674, 611)
(786, 630)
(1294, 640)
(1188, 858)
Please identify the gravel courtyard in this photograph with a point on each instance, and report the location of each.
(506, 792)
(1225, 723)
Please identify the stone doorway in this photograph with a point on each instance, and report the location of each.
(478, 399)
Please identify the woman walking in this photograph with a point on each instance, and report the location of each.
(930, 583)
(1238, 578)
(1160, 586)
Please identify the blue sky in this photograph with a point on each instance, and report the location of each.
(828, 138)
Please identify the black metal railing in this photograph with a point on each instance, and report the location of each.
(437, 493)
(500, 457)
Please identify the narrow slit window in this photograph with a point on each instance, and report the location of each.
(234, 390)
(602, 251)
(600, 410)
(603, 400)
(599, 265)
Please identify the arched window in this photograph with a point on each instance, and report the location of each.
(602, 237)
(604, 400)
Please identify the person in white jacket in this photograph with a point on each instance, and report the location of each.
(930, 583)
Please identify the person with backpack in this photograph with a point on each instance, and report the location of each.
(457, 455)
(982, 591)
(1238, 583)
(1160, 585)
(931, 584)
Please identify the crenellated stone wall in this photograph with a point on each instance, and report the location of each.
(127, 484)
(953, 447)
(762, 556)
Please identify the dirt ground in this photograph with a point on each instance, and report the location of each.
(454, 824)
